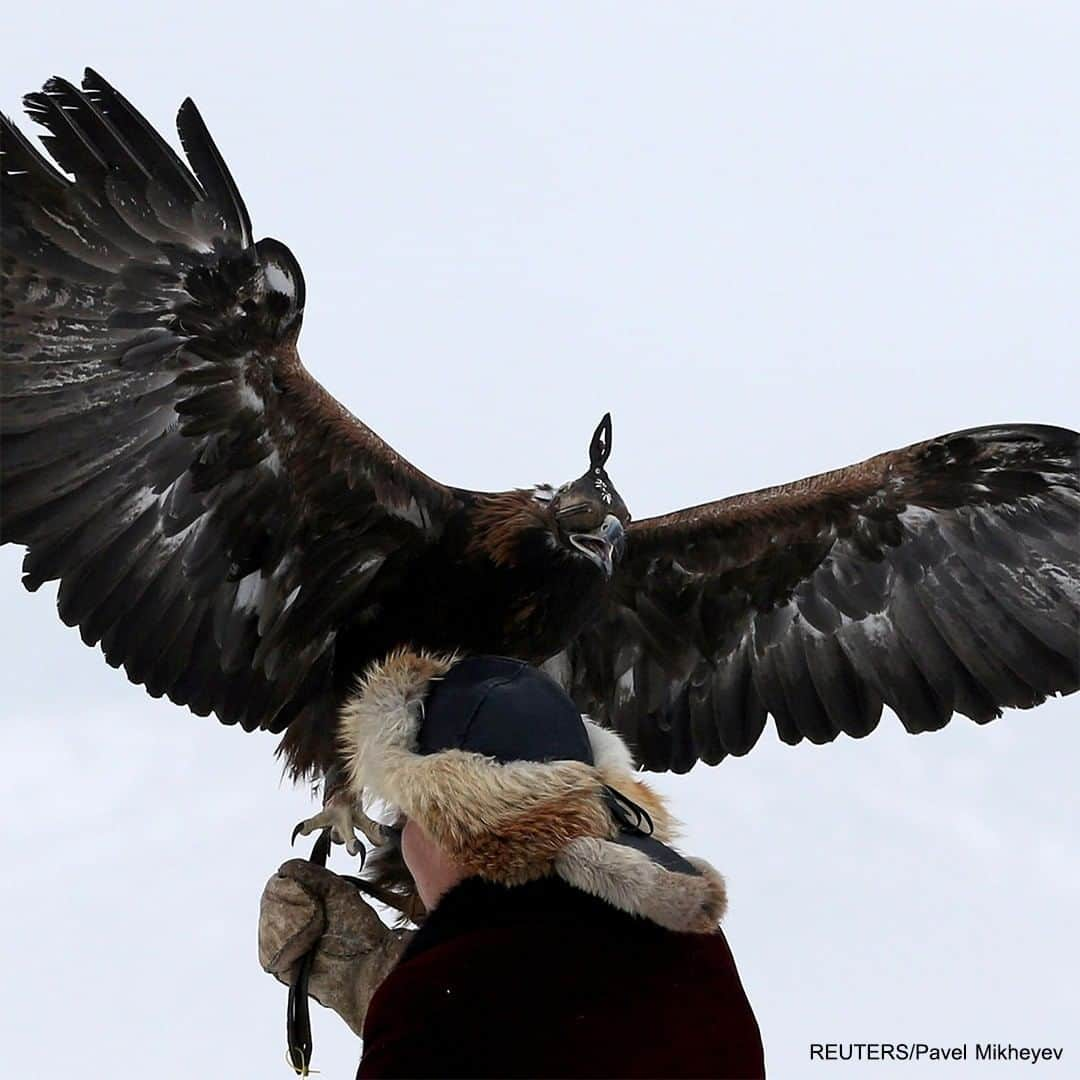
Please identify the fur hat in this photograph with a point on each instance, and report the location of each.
(491, 757)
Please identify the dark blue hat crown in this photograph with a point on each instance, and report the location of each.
(506, 710)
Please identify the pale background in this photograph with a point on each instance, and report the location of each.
(772, 239)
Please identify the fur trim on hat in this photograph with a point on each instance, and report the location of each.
(633, 882)
(515, 821)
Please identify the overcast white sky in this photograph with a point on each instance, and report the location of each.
(771, 238)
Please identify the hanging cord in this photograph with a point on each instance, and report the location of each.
(297, 1014)
(298, 1040)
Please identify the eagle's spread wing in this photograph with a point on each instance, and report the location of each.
(210, 510)
(941, 578)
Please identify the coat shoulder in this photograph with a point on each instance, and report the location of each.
(562, 992)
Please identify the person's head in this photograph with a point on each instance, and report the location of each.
(505, 710)
(495, 774)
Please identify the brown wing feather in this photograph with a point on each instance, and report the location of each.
(210, 510)
(782, 501)
(940, 578)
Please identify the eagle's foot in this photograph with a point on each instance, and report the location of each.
(343, 815)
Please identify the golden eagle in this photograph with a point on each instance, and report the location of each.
(238, 541)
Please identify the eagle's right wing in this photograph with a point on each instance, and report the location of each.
(210, 510)
(942, 577)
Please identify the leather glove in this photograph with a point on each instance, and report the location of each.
(305, 905)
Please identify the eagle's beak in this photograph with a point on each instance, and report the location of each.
(603, 545)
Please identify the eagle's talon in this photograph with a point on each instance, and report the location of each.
(354, 846)
(343, 816)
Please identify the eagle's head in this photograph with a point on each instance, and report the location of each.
(583, 521)
(589, 515)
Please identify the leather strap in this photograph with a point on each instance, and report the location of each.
(298, 1040)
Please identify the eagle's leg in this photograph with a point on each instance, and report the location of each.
(343, 814)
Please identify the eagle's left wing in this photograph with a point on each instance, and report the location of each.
(940, 578)
(215, 518)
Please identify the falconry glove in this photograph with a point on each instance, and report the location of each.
(305, 906)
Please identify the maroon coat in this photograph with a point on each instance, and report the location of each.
(545, 981)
